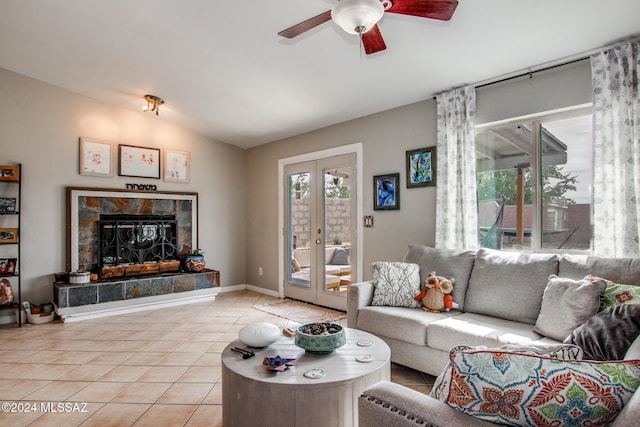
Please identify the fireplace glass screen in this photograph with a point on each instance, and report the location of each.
(136, 239)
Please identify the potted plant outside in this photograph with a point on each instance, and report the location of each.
(194, 260)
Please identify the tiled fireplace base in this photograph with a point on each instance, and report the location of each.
(75, 295)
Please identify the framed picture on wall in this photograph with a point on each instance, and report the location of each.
(386, 192)
(176, 166)
(8, 235)
(96, 157)
(8, 204)
(8, 266)
(140, 162)
(421, 167)
(9, 173)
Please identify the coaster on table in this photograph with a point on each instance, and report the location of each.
(315, 373)
(364, 343)
(364, 358)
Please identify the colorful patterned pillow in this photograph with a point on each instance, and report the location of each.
(442, 384)
(529, 390)
(616, 294)
(395, 284)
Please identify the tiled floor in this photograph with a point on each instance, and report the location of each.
(157, 368)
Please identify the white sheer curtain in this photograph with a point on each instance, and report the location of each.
(616, 186)
(456, 196)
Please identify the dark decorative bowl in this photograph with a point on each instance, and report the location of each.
(331, 337)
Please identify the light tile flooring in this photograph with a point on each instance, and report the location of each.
(153, 368)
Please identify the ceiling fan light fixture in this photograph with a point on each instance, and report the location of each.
(357, 16)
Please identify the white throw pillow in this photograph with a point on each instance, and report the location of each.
(396, 284)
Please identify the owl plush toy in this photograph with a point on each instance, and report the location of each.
(436, 296)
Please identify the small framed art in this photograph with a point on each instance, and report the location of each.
(95, 157)
(386, 192)
(8, 266)
(140, 162)
(9, 173)
(8, 204)
(421, 167)
(176, 166)
(8, 235)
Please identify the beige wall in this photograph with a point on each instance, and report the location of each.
(40, 125)
(386, 137)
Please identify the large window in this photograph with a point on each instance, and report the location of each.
(534, 183)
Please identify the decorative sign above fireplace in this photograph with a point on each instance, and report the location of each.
(87, 206)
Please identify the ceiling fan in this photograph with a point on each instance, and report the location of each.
(361, 17)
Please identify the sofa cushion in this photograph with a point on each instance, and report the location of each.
(609, 334)
(406, 324)
(477, 329)
(448, 263)
(303, 256)
(619, 270)
(396, 284)
(337, 270)
(567, 304)
(531, 390)
(509, 285)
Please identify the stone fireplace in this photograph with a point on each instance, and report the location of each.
(139, 219)
(110, 230)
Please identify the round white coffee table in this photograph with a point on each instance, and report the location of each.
(253, 396)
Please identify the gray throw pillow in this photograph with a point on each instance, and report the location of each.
(396, 284)
(567, 304)
(609, 334)
(341, 256)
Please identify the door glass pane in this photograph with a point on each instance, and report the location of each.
(566, 176)
(299, 233)
(337, 226)
(504, 157)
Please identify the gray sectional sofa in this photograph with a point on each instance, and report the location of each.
(500, 297)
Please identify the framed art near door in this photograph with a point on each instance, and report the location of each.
(386, 192)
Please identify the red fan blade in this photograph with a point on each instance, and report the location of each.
(373, 41)
(310, 23)
(434, 9)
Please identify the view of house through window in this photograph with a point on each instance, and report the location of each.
(510, 216)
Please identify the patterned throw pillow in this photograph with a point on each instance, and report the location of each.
(617, 294)
(442, 384)
(529, 390)
(395, 284)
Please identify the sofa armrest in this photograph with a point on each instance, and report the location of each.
(630, 412)
(359, 295)
(389, 404)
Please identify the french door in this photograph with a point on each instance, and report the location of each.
(320, 232)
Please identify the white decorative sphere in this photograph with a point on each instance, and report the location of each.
(259, 334)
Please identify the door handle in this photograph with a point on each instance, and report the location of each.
(318, 241)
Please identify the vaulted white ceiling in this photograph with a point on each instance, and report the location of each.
(226, 74)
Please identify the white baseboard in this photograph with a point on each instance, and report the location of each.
(263, 291)
(249, 288)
